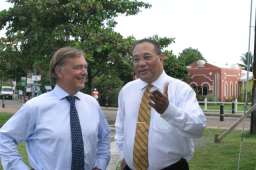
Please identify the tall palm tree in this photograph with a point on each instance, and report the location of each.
(247, 60)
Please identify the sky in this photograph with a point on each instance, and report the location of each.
(219, 29)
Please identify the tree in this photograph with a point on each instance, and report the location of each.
(190, 55)
(35, 29)
(247, 61)
(174, 67)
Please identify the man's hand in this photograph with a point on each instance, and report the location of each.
(160, 101)
(122, 164)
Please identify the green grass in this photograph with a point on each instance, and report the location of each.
(4, 117)
(227, 107)
(209, 155)
(224, 155)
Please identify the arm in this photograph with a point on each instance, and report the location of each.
(14, 131)
(119, 126)
(185, 114)
(103, 150)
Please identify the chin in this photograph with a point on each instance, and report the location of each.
(80, 87)
(144, 79)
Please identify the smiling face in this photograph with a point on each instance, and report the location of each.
(71, 75)
(148, 65)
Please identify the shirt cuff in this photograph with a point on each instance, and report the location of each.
(170, 112)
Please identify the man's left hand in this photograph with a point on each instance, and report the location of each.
(160, 101)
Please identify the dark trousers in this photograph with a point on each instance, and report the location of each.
(182, 164)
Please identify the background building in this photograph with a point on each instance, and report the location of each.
(211, 80)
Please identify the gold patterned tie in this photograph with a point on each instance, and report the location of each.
(140, 149)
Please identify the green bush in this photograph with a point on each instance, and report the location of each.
(212, 98)
(108, 87)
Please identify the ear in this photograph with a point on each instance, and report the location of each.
(162, 57)
(58, 72)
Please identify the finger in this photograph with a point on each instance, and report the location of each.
(166, 89)
(152, 104)
(157, 93)
(157, 98)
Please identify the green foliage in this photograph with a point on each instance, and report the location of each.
(108, 87)
(35, 29)
(174, 67)
(241, 96)
(4, 117)
(189, 55)
(163, 41)
(247, 61)
(212, 98)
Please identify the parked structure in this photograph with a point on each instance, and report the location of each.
(209, 79)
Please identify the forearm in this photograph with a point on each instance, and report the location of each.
(119, 133)
(190, 123)
(9, 154)
(103, 151)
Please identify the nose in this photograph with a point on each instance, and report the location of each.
(84, 71)
(141, 62)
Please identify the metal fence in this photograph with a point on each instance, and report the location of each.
(214, 106)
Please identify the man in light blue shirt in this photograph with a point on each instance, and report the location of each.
(43, 122)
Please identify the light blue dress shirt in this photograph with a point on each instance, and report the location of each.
(171, 134)
(43, 123)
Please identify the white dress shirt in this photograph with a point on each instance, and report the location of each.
(171, 134)
(43, 123)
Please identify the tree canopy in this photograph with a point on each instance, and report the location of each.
(35, 29)
(189, 55)
(247, 61)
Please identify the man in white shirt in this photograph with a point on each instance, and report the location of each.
(63, 129)
(175, 116)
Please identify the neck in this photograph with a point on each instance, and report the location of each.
(71, 92)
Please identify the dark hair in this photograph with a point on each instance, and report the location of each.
(154, 43)
(59, 58)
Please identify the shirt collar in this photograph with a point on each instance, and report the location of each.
(61, 93)
(158, 83)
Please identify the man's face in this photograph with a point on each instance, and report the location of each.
(148, 65)
(72, 75)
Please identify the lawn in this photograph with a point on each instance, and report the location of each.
(209, 155)
(225, 155)
(227, 107)
(4, 117)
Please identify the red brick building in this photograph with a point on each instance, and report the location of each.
(208, 79)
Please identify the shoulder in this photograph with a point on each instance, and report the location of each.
(132, 85)
(87, 98)
(178, 84)
(39, 102)
(43, 98)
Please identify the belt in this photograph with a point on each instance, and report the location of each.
(182, 164)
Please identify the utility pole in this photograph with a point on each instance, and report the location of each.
(253, 114)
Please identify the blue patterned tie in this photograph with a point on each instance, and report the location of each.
(76, 137)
